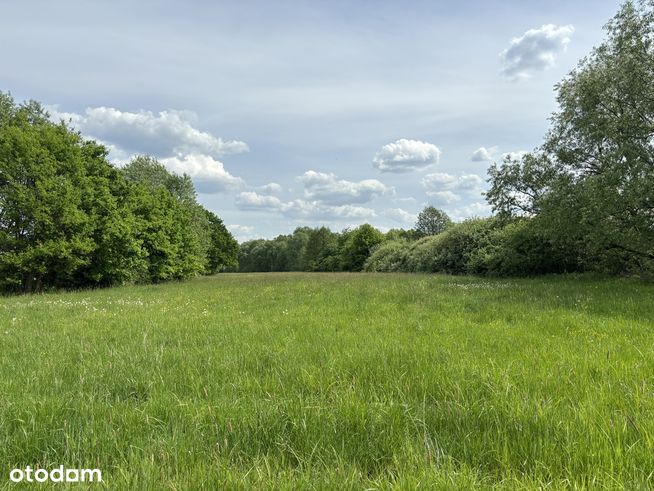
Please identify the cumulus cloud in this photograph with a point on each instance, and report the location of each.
(270, 188)
(445, 189)
(328, 189)
(409, 199)
(476, 209)
(443, 197)
(170, 136)
(517, 155)
(535, 50)
(314, 210)
(159, 134)
(208, 174)
(242, 233)
(406, 155)
(443, 181)
(250, 200)
(400, 215)
(483, 154)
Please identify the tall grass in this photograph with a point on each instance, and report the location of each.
(334, 381)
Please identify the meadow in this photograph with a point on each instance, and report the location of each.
(334, 381)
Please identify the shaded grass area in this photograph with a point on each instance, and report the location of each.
(303, 381)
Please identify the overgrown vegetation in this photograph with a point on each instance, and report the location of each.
(68, 218)
(591, 184)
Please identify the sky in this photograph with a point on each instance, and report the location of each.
(291, 113)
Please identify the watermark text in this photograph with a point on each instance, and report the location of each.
(58, 474)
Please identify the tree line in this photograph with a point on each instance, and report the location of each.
(491, 246)
(582, 201)
(68, 218)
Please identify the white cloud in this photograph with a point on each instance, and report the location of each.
(517, 155)
(208, 174)
(240, 229)
(445, 189)
(327, 188)
(400, 215)
(159, 134)
(270, 188)
(250, 200)
(409, 199)
(169, 136)
(441, 181)
(317, 211)
(298, 208)
(117, 155)
(535, 50)
(406, 155)
(476, 209)
(440, 198)
(242, 233)
(483, 154)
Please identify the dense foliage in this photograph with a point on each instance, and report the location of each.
(491, 246)
(68, 218)
(591, 183)
(432, 221)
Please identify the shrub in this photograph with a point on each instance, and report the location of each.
(388, 257)
(456, 249)
(520, 248)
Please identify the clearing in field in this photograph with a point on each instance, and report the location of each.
(334, 381)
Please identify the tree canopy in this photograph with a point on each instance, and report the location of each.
(68, 218)
(431, 221)
(592, 181)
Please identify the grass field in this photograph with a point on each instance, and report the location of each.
(334, 381)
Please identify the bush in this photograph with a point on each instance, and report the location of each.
(420, 254)
(457, 247)
(388, 257)
(519, 248)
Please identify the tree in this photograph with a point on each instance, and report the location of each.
(147, 170)
(431, 221)
(358, 245)
(320, 245)
(518, 185)
(222, 252)
(68, 218)
(181, 237)
(61, 204)
(592, 180)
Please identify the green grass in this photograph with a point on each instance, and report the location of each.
(334, 381)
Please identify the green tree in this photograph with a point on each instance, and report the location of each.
(431, 221)
(222, 252)
(320, 245)
(593, 179)
(180, 236)
(357, 246)
(60, 203)
(147, 170)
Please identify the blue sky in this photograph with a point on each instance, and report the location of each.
(305, 113)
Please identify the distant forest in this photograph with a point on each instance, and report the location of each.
(582, 201)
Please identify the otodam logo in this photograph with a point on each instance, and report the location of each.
(58, 474)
